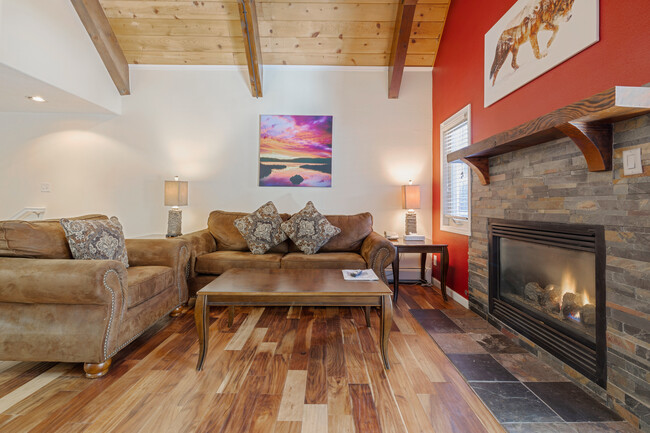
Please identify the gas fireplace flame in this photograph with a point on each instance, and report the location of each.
(568, 282)
(574, 316)
(569, 285)
(575, 302)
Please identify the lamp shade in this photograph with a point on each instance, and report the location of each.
(175, 193)
(411, 196)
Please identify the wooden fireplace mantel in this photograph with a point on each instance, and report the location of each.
(588, 123)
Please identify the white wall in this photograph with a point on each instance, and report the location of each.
(45, 40)
(202, 124)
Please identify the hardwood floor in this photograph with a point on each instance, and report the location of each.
(275, 370)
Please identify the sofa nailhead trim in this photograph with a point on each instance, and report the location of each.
(374, 262)
(110, 318)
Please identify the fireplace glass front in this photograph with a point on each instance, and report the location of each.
(558, 283)
(547, 282)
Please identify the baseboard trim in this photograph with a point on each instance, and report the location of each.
(453, 295)
(412, 275)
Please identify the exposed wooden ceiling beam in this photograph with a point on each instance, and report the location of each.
(99, 29)
(252, 47)
(401, 35)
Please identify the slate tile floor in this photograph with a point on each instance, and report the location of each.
(513, 402)
(523, 393)
(481, 368)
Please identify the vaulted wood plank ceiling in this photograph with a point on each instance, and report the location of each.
(302, 32)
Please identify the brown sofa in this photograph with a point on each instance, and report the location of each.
(54, 308)
(221, 247)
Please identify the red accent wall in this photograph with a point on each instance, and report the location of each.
(621, 57)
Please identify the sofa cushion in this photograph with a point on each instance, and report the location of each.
(37, 239)
(354, 230)
(96, 240)
(221, 225)
(145, 282)
(220, 261)
(309, 229)
(261, 229)
(323, 261)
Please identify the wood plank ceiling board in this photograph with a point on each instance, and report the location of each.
(302, 32)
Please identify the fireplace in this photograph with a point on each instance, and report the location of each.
(547, 282)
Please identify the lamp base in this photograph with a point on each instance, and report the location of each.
(174, 222)
(410, 223)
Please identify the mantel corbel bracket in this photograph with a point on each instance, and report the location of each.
(595, 140)
(480, 166)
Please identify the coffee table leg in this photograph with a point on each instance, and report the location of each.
(366, 310)
(231, 315)
(386, 324)
(201, 321)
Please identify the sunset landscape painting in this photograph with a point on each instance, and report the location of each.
(295, 151)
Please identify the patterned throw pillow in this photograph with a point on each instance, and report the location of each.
(261, 229)
(309, 230)
(96, 240)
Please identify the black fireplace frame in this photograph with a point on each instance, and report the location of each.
(585, 356)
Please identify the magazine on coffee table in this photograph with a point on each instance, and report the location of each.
(359, 275)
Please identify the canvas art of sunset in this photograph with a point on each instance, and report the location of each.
(296, 151)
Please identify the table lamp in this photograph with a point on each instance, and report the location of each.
(410, 201)
(175, 196)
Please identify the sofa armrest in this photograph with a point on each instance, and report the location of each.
(157, 252)
(44, 281)
(202, 242)
(174, 252)
(378, 252)
(60, 310)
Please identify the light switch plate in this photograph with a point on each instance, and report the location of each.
(46, 187)
(632, 162)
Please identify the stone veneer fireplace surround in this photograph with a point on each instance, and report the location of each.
(551, 183)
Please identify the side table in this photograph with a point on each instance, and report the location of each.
(423, 247)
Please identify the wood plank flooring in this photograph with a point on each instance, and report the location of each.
(275, 370)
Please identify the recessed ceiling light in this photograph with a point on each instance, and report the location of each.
(36, 98)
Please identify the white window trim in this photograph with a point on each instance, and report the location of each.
(465, 112)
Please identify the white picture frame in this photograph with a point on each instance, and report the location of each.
(559, 28)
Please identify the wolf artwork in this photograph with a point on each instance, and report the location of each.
(533, 37)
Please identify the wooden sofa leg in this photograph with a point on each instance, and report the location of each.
(93, 371)
(176, 311)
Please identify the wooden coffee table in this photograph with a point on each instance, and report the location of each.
(291, 287)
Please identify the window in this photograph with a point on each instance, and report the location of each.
(455, 134)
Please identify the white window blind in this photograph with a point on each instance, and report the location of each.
(454, 135)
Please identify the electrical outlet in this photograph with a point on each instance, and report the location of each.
(435, 260)
(46, 187)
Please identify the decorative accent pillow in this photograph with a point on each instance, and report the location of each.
(96, 240)
(261, 229)
(309, 229)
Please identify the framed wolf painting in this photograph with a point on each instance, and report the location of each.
(533, 37)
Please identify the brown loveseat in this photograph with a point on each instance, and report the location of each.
(221, 247)
(54, 308)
